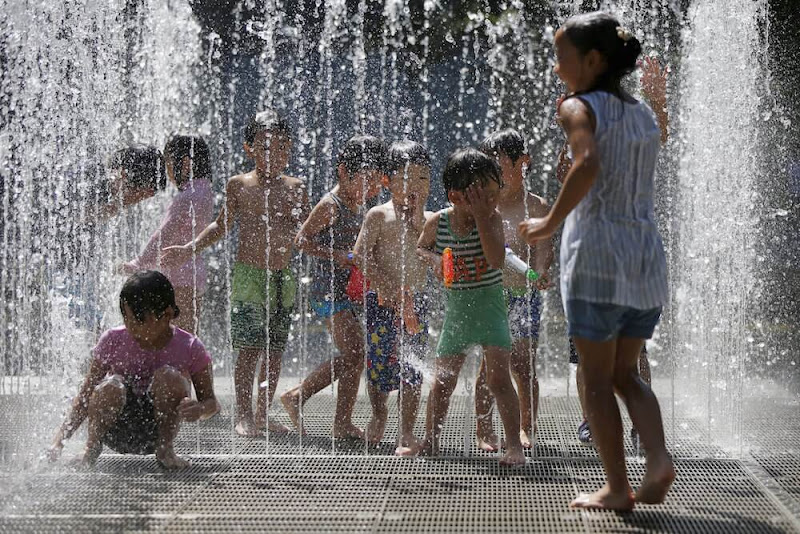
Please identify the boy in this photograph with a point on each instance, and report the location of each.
(386, 247)
(269, 207)
(475, 310)
(329, 235)
(515, 204)
(136, 392)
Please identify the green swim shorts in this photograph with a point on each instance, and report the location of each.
(254, 322)
(474, 317)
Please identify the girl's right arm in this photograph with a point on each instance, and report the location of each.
(179, 254)
(427, 243)
(79, 410)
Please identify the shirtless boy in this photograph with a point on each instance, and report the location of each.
(269, 207)
(395, 306)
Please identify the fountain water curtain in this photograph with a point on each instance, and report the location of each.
(80, 80)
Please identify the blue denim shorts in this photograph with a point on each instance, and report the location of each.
(603, 322)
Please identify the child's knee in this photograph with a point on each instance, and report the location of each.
(110, 392)
(169, 382)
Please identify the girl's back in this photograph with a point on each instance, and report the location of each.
(612, 251)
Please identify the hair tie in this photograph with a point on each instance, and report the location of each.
(624, 34)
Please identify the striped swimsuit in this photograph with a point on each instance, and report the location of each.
(475, 309)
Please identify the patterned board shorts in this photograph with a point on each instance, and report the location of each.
(524, 313)
(254, 324)
(385, 366)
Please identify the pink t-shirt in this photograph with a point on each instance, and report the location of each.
(176, 229)
(119, 353)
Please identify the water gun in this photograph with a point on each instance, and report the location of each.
(448, 268)
(355, 283)
(516, 264)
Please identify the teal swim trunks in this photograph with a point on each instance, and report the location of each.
(474, 317)
(253, 321)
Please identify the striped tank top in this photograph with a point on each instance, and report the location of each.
(471, 268)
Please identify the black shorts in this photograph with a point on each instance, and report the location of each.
(135, 431)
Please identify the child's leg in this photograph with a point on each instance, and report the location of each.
(105, 405)
(597, 363)
(380, 412)
(499, 380)
(188, 320)
(348, 337)
(408, 398)
(264, 401)
(644, 367)
(523, 369)
(445, 379)
(168, 389)
(646, 415)
(487, 440)
(243, 373)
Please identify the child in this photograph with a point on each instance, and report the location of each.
(268, 205)
(475, 310)
(138, 388)
(395, 306)
(188, 164)
(140, 173)
(329, 235)
(515, 203)
(614, 270)
(654, 90)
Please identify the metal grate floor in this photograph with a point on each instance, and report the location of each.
(285, 484)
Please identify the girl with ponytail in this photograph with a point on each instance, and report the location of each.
(613, 266)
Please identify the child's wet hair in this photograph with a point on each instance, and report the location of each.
(508, 142)
(266, 121)
(193, 147)
(147, 292)
(363, 152)
(467, 166)
(143, 166)
(402, 153)
(603, 32)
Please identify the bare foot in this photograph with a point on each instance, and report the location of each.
(375, 430)
(347, 431)
(246, 427)
(603, 499)
(426, 447)
(273, 425)
(657, 480)
(90, 454)
(408, 445)
(291, 403)
(170, 461)
(513, 457)
(527, 442)
(487, 440)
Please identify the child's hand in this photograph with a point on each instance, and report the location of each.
(479, 204)
(543, 283)
(126, 269)
(176, 255)
(534, 230)
(343, 258)
(189, 410)
(654, 81)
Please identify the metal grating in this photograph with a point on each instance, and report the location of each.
(235, 485)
